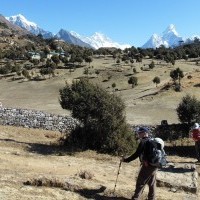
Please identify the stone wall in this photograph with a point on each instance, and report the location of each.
(36, 119)
(39, 119)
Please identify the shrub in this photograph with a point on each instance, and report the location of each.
(133, 81)
(188, 110)
(151, 65)
(103, 126)
(156, 80)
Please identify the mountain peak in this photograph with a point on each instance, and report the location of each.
(171, 29)
(169, 38)
(19, 16)
(98, 40)
(32, 27)
(19, 19)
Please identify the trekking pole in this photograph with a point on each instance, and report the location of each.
(117, 176)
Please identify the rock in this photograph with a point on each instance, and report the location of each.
(178, 177)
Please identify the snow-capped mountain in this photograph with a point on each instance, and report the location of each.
(169, 38)
(12, 26)
(32, 27)
(98, 40)
(154, 42)
(95, 41)
(71, 39)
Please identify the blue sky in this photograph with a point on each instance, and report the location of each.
(124, 21)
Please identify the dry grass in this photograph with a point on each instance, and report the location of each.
(47, 182)
(34, 174)
(86, 174)
(144, 103)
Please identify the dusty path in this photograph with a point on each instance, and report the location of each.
(25, 155)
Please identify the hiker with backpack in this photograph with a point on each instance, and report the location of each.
(149, 162)
(195, 134)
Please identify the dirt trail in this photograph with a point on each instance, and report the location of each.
(26, 155)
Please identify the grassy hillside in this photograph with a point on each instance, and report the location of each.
(145, 103)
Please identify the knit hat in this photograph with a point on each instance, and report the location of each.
(143, 130)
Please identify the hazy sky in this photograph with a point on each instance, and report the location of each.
(124, 21)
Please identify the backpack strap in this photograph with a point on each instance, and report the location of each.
(143, 157)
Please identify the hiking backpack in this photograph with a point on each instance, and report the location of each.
(154, 153)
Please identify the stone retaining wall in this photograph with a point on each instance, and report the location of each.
(36, 119)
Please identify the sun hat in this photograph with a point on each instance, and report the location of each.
(196, 126)
(143, 130)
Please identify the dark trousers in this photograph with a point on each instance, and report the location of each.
(197, 148)
(147, 175)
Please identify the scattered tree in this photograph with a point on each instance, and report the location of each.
(188, 110)
(113, 86)
(134, 70)
(156, 80)
(103, 126)
(133, 81)
(152, 65)
(88, 60)
(177, 74)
